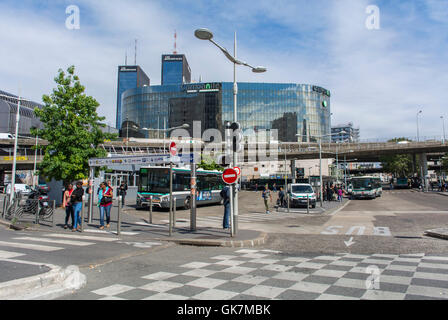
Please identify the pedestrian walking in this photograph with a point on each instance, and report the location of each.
(225, 195)
(339, 194)
(105, 204)
(281, 197)
(76, 200)
(68, 205)
(122, 190)
(266, 194)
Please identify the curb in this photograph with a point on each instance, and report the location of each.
(260, 240)
(50, 285)
(437, 234)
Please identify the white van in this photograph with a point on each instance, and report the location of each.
(301, 193)
(6, 136)
(19, 187)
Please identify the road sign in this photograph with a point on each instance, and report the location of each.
(238, 170)
(229, 176)
(173, 148)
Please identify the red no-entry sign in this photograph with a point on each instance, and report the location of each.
(229, 176)
(173, 148)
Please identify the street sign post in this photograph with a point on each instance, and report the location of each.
(173, 148)
(229, 176)
(238, 170)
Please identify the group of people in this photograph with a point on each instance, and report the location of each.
(333, 192)
(72, 202)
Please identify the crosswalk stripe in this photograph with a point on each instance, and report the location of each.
(9, 255)
(29, 246)
(69, 242)
(80, 237)
(126, 233)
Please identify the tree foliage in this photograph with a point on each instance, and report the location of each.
(72, 127)
(208, 163)
(399, 165)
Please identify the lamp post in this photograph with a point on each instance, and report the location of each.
(205, 34)
(443, 126)
(418, 135)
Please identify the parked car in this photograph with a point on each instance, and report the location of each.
(4, 135)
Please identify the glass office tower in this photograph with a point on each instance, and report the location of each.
(291, 109)
(175, 69)
(128, 77)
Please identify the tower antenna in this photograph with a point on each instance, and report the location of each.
(135, 57)
(175, 39)
(126, 58)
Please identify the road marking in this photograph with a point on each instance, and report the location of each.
(8, 254)
(69, 242)
(376, 231)
(77, 236)
(29, 246)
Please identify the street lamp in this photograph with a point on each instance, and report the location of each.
(205, 34)
(320, 159)
(418, 137)
(443, 126)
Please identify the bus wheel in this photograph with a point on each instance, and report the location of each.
(187, 203)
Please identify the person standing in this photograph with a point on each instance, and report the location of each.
(76, 200)
(266, 194)
(339, 194)
(68, 205)
(281, 197)
(105, 204)
(225, 195)
(123, 188)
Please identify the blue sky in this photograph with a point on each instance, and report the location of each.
(379, 79)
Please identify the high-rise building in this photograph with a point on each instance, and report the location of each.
(175, 69)
(350, 134)
(129, 77)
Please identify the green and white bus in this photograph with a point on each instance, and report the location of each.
(366, 187)
(155, 182)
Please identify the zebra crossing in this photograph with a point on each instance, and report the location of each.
(250, 217)
(49, 242)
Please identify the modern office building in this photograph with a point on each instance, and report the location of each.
(8, 114)
(175, 69)
(297, 112)
(351, 134)
(129, 77)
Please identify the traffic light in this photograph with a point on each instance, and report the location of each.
(300, 172)
(237, 137)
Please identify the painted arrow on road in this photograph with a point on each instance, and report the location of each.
(349, 242)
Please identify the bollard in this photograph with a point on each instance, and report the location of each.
(37, 212)
(82, 213)
(150, 210)
(288, 198)
(307, 203)
(174, 212)
(119, 217)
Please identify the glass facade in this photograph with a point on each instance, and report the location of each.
(175, 69)
(290, 108)
(129, 77)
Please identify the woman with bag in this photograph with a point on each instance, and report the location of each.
(68, 205)
(105, 204)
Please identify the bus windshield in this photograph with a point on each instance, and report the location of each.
(366, 184)
(155, 180)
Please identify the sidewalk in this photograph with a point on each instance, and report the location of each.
(137, 228)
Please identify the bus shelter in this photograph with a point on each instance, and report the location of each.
(135, 162)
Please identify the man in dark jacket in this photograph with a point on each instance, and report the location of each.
(225, 195)
(76, 200)
(122, 192)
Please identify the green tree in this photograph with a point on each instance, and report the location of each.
(400, 165)
(72, 127)
(208, 163)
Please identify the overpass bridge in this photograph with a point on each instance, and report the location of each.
(360, 152)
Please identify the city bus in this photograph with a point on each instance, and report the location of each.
(155, 182)
(366, 187)
(402, 183)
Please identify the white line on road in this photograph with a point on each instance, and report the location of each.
(77, 236)
(29, 246)
(8, 254)
(69, 242)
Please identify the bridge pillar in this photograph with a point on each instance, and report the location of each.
(293, 169)
(424, 170)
